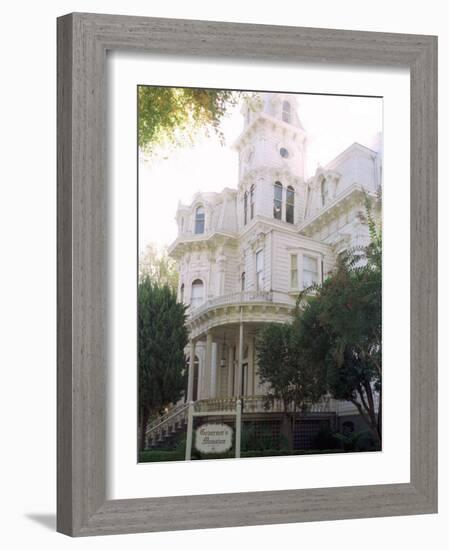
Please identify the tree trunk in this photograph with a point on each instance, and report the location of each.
(286, 427)
(286, 430)
(144, 416)
(379, 416)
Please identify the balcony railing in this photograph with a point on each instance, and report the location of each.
(259, 404)
(245, 297)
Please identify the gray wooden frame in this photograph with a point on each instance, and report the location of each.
(83, 40)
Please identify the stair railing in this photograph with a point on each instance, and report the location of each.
(154, 430)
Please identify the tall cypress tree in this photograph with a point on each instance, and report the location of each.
(162, 339)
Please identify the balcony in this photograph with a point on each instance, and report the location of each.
(247, 297)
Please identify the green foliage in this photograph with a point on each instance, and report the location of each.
(166, 456)
(162, 339)
(339, 327)
(258, 439)
(159, 267)
(325, 439)
(282, 364)
(357, 441)
(173, 116)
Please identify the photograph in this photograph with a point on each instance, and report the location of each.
(259, 284)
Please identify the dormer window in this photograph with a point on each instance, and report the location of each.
(199, 220)
(324, 192)
(277, 203)
(290, 209)
(251, 201)
(286, 112)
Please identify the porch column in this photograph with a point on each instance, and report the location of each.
(240, 367)
(191, 374)
(230, 391)
(214, 373)
(207, 365)
(251, 365)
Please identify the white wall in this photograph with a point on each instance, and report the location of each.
(27, 308)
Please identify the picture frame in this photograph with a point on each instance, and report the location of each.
(83, 40)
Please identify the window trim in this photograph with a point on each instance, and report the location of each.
(317, 258)
(182, 293)
(294, 268)
(191, 292)
(259, 254)
(278, 186)
(286, 112)
(252, 192)
(198, 207)
(290, 191)
(245, 208)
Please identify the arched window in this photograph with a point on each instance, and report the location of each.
(251, 201)
(324, 192)
(197, 294)
(181, 293)
(286, 111)
(245, 208)
(199, 220)
(243, 282)
(277, 205)
(290, 203)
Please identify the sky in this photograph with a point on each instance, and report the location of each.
(332, 124)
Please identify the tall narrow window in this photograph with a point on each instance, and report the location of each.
(199, 220)
(294, 271)
(196, 366)
(277, 205)
(324, 192)
(181, 294)
(243, 282)
(286, 111)
(245, 208)
(251, 201)
(290, 210)
(309, 271)
(197, 295)
(259, 270)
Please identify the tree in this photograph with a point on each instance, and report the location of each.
(157, 265)
(290, 378)
(339, 328)
(173, 116)
(162, 339)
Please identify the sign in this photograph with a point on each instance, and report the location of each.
(213, 438)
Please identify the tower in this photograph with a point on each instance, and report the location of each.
(271, 152)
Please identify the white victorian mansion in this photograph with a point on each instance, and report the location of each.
(244, 254)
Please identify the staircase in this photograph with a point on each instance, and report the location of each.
(165, 431)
